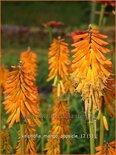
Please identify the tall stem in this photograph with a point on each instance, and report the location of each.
(101, 15)
(22, 138)
(101, 130)
(68, 149)
(42, 139)
(91, 129)
(50, 34)
(92, 16)
(104, 22)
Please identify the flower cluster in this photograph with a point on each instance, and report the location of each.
(29, 60)
(108, 148)
(58, 60)
(53, 146)
(29, 140)
(61, 119)
(21, 96)
(91, 69)
(60, 124)
(5, 141)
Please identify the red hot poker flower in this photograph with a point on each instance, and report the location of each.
(21, 97)
(53, 24)
(107, 148)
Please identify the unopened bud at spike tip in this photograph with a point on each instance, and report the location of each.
(90, 26)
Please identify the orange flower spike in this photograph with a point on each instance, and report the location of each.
(5, 141)
(89, 66)
(21, 96)
(58, 59)
(29, 58)
(61, 119)
(58, 64)
(60, 126)
(30, 140)
(107, 148)
(53, 146)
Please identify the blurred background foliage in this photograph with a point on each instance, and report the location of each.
(22, 27)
